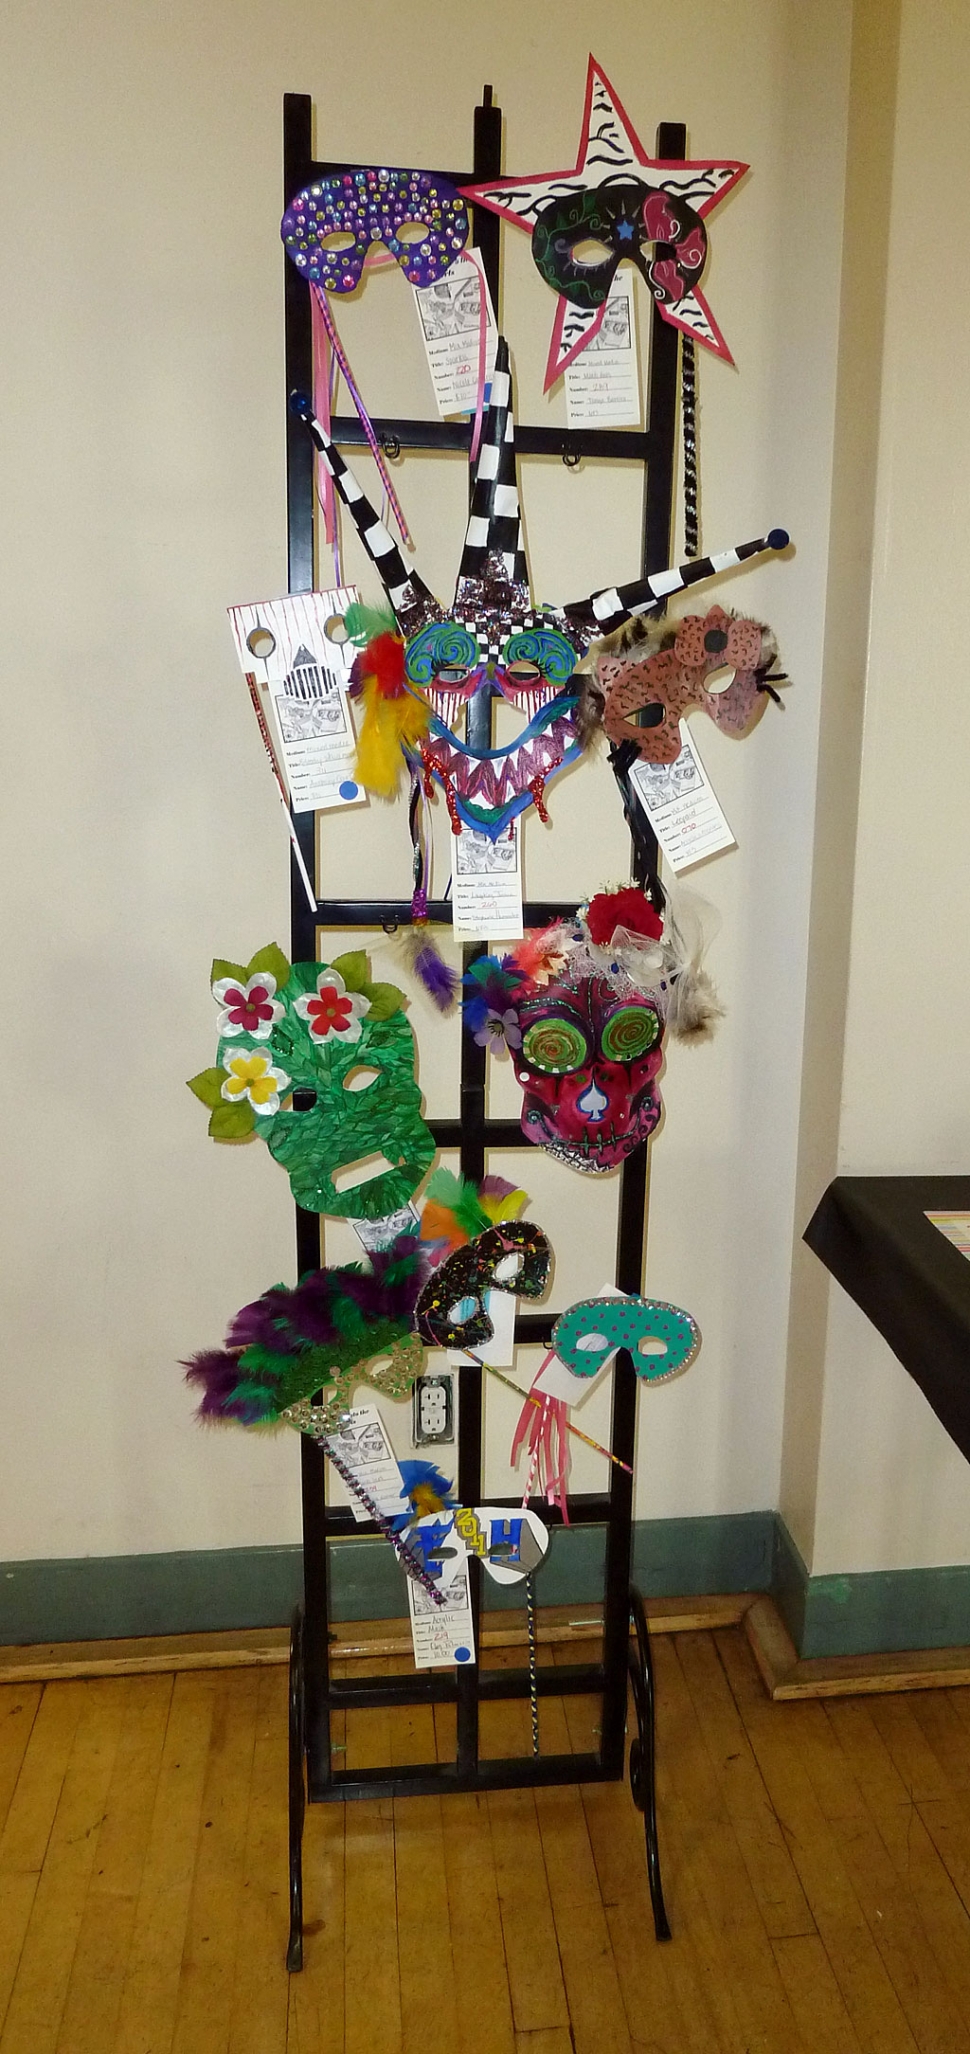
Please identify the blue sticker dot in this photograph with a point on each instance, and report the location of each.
(348, 790)
(463, 1654)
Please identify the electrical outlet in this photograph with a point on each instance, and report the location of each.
(434, 1410)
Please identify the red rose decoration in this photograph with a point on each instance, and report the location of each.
(629, 908)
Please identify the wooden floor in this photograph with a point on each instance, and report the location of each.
(816, 1862)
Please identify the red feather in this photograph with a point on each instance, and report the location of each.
(383, 662)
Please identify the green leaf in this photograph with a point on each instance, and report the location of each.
(353, 969)
(272, 960)
(232, 1122)
(221, 969)
(385, 1000)
(208, 1086)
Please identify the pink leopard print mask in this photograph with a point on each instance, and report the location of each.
(667, 684)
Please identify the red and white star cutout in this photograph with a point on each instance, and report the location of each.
(610, 145)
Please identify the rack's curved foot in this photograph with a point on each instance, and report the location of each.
(294, 1952)
(642, 1757)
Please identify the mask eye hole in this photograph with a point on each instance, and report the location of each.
(523, 673)
(719, 679)
(462, 1311)
(629, 1033)
(360, 1078)
(555, 1046)
(335, 628)
(506, 1271)
(411, 232)
(260, 643)
(590, 251)
(304, 1101)
(592, 1344)
(338, 240)
(451, 674)
(653, 715)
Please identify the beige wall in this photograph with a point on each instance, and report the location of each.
(879, 1484)
(141, 833)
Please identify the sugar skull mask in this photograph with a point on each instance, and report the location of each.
(331, 228)
(665, 683)
(318, 1061)
(591, 1051)
(492, 640)
(583, 1010)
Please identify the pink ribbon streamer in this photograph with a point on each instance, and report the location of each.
(482, 341)
(321, 302)
(323, 368)
(544, 1427)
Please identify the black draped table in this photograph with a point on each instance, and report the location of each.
(914, 1285)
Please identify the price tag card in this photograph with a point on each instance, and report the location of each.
(298, 654)
(499, 1352)
(441, 1635)
(486, 885)
(362, 1444)
(681, 806)
(380, 1233)
(450, 314)
(556, 1381)
(603, 385)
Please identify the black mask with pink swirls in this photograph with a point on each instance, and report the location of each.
(626, 219)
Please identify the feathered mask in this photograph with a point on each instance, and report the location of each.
(337, 1329)
(583, 1006)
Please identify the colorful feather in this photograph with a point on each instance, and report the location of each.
(456, 1211)
(363, 623)
(488, 983)
(394, 717)
(424, 960)
(426, 1490)
(290, 1343)
(543, 952)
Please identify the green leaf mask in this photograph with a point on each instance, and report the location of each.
(293, 1084)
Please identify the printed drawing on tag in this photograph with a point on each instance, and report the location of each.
(661, 783)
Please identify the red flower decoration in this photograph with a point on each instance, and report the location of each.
(331, 1011)
(629, 908)
(246, 1010)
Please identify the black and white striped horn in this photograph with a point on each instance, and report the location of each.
(493, 541)
(604, 611)
(413, 604)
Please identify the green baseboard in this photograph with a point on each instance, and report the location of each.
(123, 1596)
(127, 1596)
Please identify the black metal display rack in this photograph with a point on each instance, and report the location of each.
(315, 1696)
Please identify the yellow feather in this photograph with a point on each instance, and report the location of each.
(387, 724)
(499, 1209)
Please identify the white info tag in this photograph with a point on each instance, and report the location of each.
(442, 1636)
(486, 885)
(450, 313)
(499, 1352)
(299, 655)
(681, 806)
(603, 385)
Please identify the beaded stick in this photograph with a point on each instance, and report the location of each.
(409, 1561)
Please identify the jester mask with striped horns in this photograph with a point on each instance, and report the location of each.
(424, 664)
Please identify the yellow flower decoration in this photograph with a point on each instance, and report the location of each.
(253, 1076)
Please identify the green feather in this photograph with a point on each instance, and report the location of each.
(459, 1196)
(364, 623)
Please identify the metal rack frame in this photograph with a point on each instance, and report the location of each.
(314, 1694)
